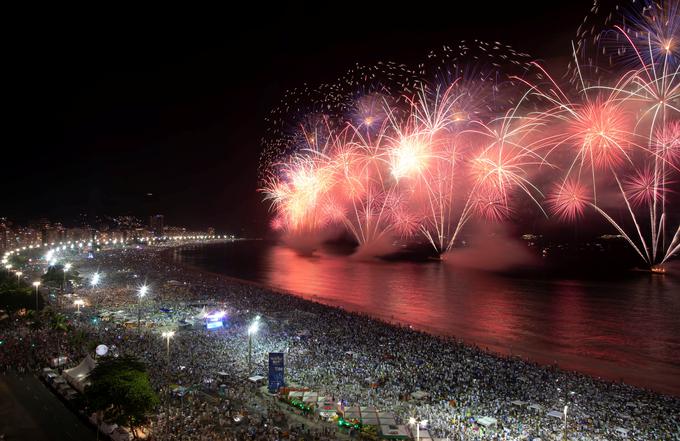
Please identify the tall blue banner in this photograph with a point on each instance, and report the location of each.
(275, 371)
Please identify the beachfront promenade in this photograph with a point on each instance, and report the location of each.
(462, 391)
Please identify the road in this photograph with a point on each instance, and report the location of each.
(30, 411)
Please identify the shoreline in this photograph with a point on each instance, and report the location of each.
(363, 361)
(166, 256)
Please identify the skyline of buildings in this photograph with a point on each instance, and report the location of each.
(42, 231)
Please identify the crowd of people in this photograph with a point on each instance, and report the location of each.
(352, 358)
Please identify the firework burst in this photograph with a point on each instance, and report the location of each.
(417, 153)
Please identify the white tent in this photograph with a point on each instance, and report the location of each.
(327, 409)
(621, 431)
(487, 421)
(310, 397)
(536, 407)
(77, 376)
(255, 378)
(387, 419)
(370, 420)
(518, 403)
(556, 414)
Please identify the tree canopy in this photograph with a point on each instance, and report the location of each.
(18, 260)
(54, 277)
(120, 389)
(14, 294)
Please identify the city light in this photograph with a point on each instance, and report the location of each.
(254, 326)
(36, 285)
(140, 295)
(167, 335)
(67, 267)
(418, 423)
(216, 315)
(143, 290)
(252, 330)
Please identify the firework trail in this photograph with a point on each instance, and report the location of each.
(624, 130)
(390, 151)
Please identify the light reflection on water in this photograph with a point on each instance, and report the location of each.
(618, 329)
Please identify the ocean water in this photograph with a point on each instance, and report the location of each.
(624, 326)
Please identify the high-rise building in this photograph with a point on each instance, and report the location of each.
(156, 224)
(43, 225)
(4, 233)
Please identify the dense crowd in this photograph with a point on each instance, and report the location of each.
(350, 357)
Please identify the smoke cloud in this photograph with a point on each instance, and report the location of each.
(492, 249)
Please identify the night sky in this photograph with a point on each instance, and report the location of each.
(106, 106)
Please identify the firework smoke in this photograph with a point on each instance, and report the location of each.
(392, 153)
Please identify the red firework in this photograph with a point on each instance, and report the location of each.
(277, 223)
(645, 186)
(603, 132)
(668, 142)
(405, 222)
(492, 205)
(569, 200)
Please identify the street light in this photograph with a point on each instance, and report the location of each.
(167, 335)
(67, 267)
(417, 422)
(79, 303)
(36, 284)
(252, 330)
(18, 273)
(94, 281)
(140, 295)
